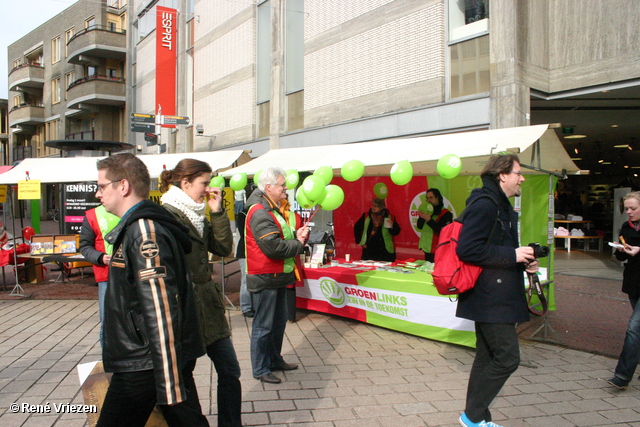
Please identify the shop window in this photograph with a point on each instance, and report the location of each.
(468, 18)
(469, 67)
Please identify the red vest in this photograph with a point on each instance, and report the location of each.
(257, 261)
(101, 272)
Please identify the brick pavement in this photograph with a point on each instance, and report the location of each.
(351, 374)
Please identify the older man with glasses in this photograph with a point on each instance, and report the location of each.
(271, 245)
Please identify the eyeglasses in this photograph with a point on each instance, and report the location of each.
(283, 185)
(101, 187)
(517, 172)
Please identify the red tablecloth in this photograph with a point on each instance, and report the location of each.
(6, 257)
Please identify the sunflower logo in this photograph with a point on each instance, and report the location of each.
(333, 292)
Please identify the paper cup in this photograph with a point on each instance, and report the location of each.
(347, 257)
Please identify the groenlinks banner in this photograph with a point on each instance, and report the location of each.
(406, 302)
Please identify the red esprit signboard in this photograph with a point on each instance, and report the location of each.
(166, 54)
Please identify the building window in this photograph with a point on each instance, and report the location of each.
(16, 63)
(69, 78)
(112, 26)
(55, 50)
(112, 73)
(294, 64)
(468, 18)
(55, 91)
(17, 100)
(90, 22)
(68, 36)
(90, 71)
(263, 67)
(469, 67)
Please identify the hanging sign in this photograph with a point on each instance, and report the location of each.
(29, 189)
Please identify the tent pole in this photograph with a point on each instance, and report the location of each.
(17, 289)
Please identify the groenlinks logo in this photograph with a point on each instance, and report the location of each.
(333, 292)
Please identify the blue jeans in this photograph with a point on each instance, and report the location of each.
(630, 355)
(269, 323)
(245, 295)
(102, 291)
(497, 357)
(229, 394)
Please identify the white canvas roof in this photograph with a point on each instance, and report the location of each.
(80, 169)
(473, 148)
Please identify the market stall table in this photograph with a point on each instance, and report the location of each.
(406, 302)
(61, 260)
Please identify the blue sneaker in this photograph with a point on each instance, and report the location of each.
(466, 422)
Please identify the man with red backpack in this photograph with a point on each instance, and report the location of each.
(498, 301)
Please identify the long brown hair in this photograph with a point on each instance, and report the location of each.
(186, 168)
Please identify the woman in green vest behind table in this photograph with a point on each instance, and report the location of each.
(186, 195)
(374, 231)
(432, 217)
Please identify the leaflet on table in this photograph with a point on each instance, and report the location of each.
(318, 253)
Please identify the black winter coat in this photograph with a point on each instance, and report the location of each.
(150, 319)
(499, 295)
(631, 276)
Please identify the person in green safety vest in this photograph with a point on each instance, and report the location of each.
(374, 231)
(432, 217)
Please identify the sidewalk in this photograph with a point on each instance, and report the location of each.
(351, 374)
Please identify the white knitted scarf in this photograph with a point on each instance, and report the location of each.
(181, 200)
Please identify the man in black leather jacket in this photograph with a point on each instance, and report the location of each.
(151, 332)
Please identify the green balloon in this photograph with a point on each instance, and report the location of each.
(401, 172)
(302, 200)
(352, 170)
(292, 178)
(256, 177)
(449, 166)
(314, 188)
(333, 198)
(326, 173)
(380, 190)
(217, 182)
(238, 181)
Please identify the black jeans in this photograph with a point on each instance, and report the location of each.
(132, 395)
(497, 357)
(229, 392)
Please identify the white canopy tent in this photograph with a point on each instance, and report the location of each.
(473, 148)
(53, 170)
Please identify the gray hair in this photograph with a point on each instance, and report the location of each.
(269, 176)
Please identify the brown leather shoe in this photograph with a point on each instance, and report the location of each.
(285, 367)
(270, 378)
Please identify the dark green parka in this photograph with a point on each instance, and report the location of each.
(209, 294)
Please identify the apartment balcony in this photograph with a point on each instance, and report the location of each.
(26, 77)
(26, 115)
(91, 44)
(92, 91)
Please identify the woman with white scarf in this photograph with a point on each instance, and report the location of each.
(186, 195)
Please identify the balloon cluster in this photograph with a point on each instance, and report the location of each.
(317, 189)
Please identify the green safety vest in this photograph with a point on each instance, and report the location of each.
(386, 236)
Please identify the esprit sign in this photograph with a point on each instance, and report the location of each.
(166, 59)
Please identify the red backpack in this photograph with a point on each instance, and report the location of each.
(450, 275)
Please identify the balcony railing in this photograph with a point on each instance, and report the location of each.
(26, 114)
(30, 75)
(96, 42)
(96, 89)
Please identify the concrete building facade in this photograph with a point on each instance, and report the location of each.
(290, 73)
(67, 79)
